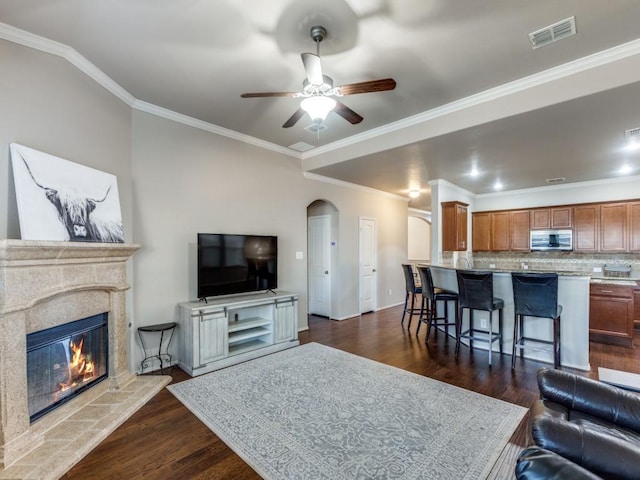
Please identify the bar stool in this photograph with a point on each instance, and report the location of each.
(475, 291)
(412, 291)
(430, 297)
(535, 295)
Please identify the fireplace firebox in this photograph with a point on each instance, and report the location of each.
(65, 360)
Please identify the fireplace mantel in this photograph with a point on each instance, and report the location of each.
(44, 284)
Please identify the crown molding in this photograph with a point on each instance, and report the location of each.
(210, 127)
(15, 35)
(354, 186)
(563, 186)
(27, 39)
(22, 37)
(594, 60)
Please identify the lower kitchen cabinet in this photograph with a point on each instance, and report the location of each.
(611, 314)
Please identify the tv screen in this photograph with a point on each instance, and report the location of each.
(236, 263)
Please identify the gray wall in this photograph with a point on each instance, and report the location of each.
(175, 181)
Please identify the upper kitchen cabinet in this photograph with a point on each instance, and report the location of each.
(454, 226)
(586, 219)
(500, 234)
(481, 232)
(519, 230)
(634, 226)
(551, 218)
(613, 227)
(491, 232)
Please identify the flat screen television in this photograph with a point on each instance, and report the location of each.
(230, 264)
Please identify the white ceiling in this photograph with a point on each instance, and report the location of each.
(195, 58)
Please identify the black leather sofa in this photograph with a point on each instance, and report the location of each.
(535, 463)
(585, 422)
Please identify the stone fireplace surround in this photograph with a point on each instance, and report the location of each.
(44, 284)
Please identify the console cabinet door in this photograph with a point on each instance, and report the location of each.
(587, 225)
(286, 324)
(212, 337)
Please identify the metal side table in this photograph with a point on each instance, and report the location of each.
(162, 328)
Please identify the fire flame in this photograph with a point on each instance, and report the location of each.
(81, 367)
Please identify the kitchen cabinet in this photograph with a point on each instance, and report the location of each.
(586, 219)
(454, 226)
(481, 232)
(519, 230)
(634, 226)
(636, 308)
(500, 231)
(611, 314)
(552, 218)
(613, 227)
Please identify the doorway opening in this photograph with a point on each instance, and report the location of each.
(322, 258)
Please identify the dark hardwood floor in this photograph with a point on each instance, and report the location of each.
(163, 440)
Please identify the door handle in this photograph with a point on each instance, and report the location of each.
(374, 270)
(326, 272)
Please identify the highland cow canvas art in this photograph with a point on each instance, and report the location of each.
(62, 200)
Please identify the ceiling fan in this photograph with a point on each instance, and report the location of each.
(317, 89)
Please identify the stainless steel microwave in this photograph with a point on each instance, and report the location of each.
(551, 240)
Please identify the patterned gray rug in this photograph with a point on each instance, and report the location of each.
(314, 412)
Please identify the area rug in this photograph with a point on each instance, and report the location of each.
(314, 412)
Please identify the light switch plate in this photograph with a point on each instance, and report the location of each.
(299, 255)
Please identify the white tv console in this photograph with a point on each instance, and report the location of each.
(232, 329)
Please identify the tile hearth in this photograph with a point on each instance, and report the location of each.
(73, 438)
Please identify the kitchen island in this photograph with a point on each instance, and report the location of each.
(573, 295)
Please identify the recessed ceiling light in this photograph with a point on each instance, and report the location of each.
(625, 169)
(414, 193)
(474, 172)
(497, 185)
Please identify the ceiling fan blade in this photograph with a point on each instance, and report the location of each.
(370, 86)
(346, 113)
(313, 68)
(293, 119)
(269, 94)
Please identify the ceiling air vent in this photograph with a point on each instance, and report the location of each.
(562, 29)
(552, 181)
(632, 133)
(301, 147)
(316, 127)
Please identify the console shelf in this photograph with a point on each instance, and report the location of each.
(233, 329)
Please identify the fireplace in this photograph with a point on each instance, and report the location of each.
(65, 360)
(47, 287)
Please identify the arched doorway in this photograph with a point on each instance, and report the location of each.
(419, 236)
(322, 258)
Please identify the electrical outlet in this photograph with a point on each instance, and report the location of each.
(492, 265)
(483, 323)
(597, 269)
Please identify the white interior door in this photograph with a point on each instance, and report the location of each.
(319, 262)
(368, 284)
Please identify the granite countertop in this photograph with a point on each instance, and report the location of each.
(629, 281)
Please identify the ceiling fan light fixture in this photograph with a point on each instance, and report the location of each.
(318, 107)
(414, 193)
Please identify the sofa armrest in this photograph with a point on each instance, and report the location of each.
(535, 463)
(605, 455)
(595, 398)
